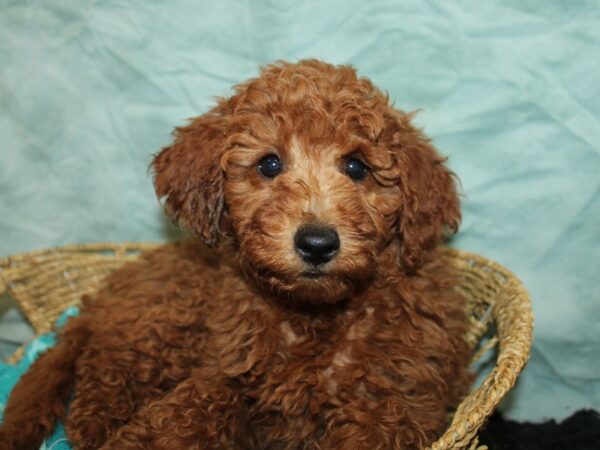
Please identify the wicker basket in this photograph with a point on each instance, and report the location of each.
(44, 283)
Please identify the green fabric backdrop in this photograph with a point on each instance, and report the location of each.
(89, 90)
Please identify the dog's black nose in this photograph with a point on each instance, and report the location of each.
(316, 245)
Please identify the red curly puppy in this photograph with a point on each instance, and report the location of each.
(324, 319)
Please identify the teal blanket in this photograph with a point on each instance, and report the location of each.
(9, 375)
(508, 89)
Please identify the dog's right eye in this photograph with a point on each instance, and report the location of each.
(356, 169)
(270, 166)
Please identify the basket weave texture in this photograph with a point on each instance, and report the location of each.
(44, 283)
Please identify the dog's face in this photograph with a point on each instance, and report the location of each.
(313, 174)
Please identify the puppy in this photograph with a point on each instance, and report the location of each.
(323, 317)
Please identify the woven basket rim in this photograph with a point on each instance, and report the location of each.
(515, 340)
(123, 247)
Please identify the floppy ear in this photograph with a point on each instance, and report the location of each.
(189, 175)
(430, 202)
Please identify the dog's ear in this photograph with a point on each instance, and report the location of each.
(188, 175)
(430, 204)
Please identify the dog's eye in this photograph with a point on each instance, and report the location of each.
(270, 166)
(356, 169)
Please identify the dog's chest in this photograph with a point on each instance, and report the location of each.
(312, 366)
(312, 373)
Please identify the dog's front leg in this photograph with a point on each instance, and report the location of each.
(386, 424)
(200, 413)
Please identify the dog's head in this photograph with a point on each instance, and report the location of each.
(313, 174)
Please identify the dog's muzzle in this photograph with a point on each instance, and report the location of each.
(316, 245)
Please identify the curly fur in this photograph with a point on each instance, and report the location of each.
(231, 347)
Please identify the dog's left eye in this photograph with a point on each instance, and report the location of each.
(270, 166)
(356, 169)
